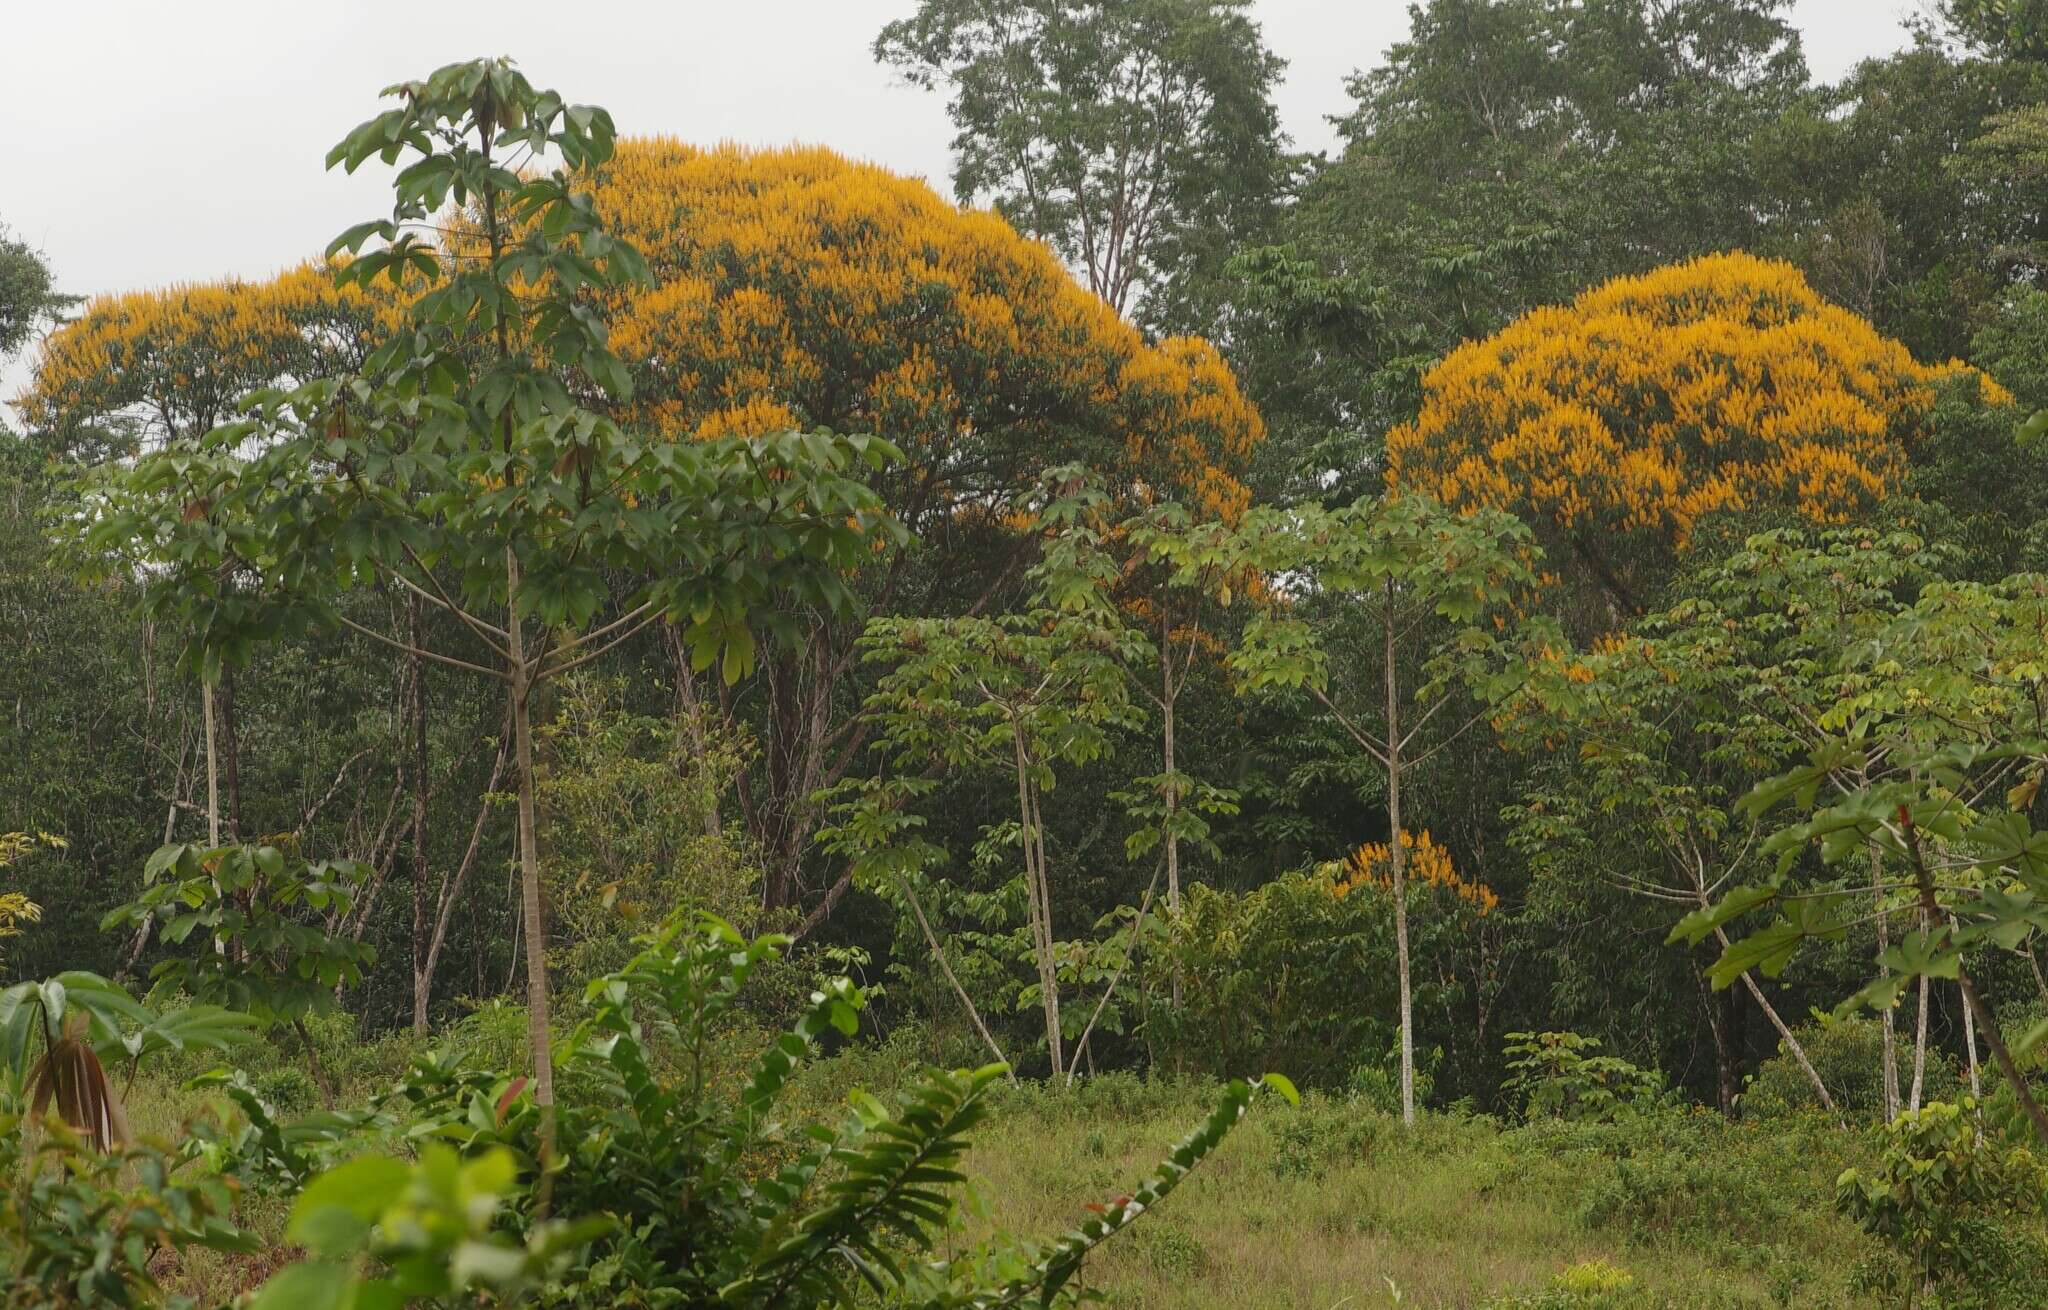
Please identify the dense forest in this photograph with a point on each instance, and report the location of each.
(1526, 635)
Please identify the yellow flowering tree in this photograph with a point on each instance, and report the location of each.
(1617, 421)
(156, 365)
(796, 288)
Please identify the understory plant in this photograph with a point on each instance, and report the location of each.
(681, 1180)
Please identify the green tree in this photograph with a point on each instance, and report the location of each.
(1139, 137)
(468, 465)
(1019, 695)
(29, 299)
(1505, 155)
(1379, 621)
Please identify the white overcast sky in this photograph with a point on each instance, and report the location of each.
(144, 142)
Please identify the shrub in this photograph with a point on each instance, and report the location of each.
(696, 1187)
(1299, 974)
(1962, 1208)
(1559, 1074)
(81, 1227)
(1848, 1054)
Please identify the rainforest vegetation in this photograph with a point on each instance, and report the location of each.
(673, 724)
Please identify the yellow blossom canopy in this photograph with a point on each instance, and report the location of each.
(797, 287)
(1725, 383)
(173, 361)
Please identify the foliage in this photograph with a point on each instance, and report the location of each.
(82, 1022)
(631, 825)
(692, 1186)
(1371, 865)
(431, 1223)
(1024, 695)
(795, 288)
(1562, 1074)
(80, 1226)
(1942, 1196)
(1848, 1054)
(15, 907)
(29, 298)
(145, 368)
(1138, 137)
(263, 916)
(1723, 384)
(1499, 157)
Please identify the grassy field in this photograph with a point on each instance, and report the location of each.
(1333, 1204)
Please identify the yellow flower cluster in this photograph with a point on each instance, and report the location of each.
(1426, 864)
(180, 356)
(1725, 383)
(795, 286)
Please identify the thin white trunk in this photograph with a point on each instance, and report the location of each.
(521, 690)
(1397, 856)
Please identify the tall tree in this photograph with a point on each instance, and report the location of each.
(1137, 136)
(1383, 630)
(1616, 423)
(29, 299)
(463, 465)
(799, 288)
(1505, 155)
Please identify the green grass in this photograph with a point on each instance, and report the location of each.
(1331, 1204)
(1335, 1204)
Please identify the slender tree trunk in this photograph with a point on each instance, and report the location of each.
(212, 767)
(946, 967)
(231, 752)
(1397, 856)
(1166, 700)
(1725, 1067)
(521, 692)
(1970, 1045)
(422, 975)
(1038, 894)
(1890, 1017)
(1756, 993)
(451, 889)
(1920, 1037)
(1973, 1002)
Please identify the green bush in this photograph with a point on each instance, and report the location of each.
(80, 1227)
(1562, 1075)
(1848, 1054)
(1963, 1209)
(687, 1185)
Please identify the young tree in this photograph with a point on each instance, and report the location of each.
(1940, 779)
(1138, 137)
(1019, 694)
(469, 464)
(1379, 620)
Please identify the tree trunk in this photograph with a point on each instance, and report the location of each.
(1397, 858)
(1726, 1084)
(231, 752)
(451, 889)
(422, 976)
(1890, 1016)
(1920, 1046)
(1166, 699)
(1031, 838)
(521, 691)
(212, 767)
